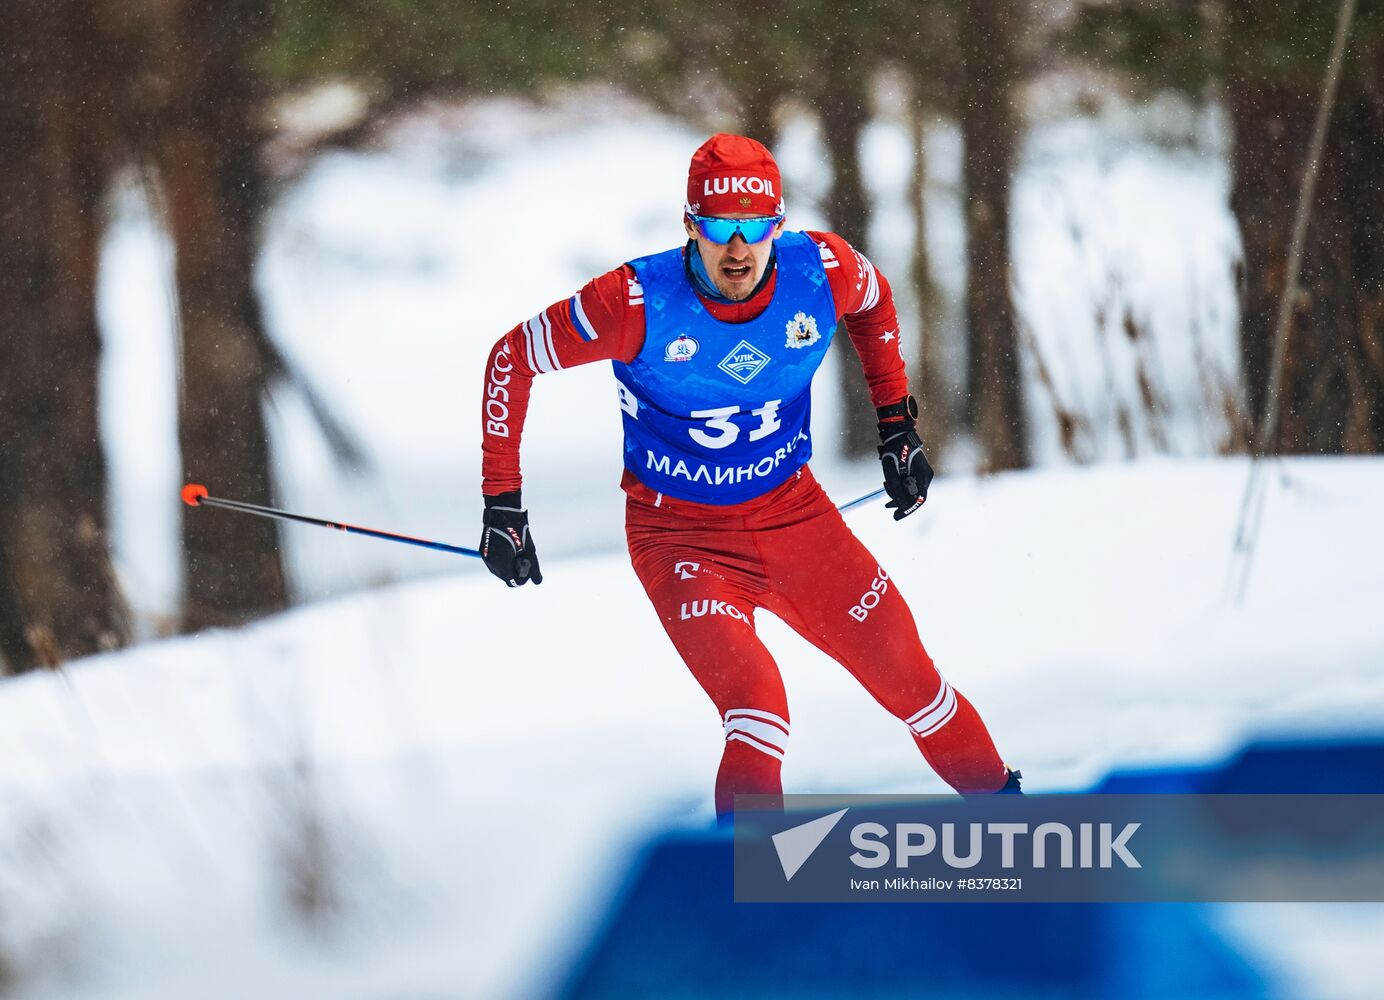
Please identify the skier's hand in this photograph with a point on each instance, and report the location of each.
(907, 473)
(506, 545)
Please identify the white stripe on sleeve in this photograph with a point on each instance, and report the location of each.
(530, 356)
(548, 341)
(539, 358)
(867, 270)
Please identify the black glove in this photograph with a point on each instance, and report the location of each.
(906, 470)
(506, 545)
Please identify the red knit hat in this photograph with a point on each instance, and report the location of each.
(731, 174)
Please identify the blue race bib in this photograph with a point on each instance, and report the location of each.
(718, 412)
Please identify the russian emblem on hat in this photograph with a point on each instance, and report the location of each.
(682, 348)
(802, 330)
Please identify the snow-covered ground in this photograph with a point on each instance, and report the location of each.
(427, 789)
(457, 771)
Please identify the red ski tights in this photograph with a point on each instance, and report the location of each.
(707, 568)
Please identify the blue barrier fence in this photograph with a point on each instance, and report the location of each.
(674, 930)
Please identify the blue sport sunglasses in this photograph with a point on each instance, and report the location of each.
(722, 231)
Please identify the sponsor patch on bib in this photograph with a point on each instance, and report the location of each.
(683, 348)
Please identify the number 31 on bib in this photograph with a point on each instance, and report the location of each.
(719, 420)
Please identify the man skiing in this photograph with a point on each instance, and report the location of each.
(714, 346)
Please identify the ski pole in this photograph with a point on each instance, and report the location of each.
(860, 500)
(195, 495)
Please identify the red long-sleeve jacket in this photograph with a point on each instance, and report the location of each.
(605, 321)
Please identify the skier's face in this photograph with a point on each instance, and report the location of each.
(735, 267)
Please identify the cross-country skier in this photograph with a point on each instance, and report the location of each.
(714, 346)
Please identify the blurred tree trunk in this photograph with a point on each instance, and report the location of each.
(769, 86)
(937, 416)
(58, 596)
(989, 136)
(844, 108)
(206, 138)
(760, 112)
(1333, 378)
